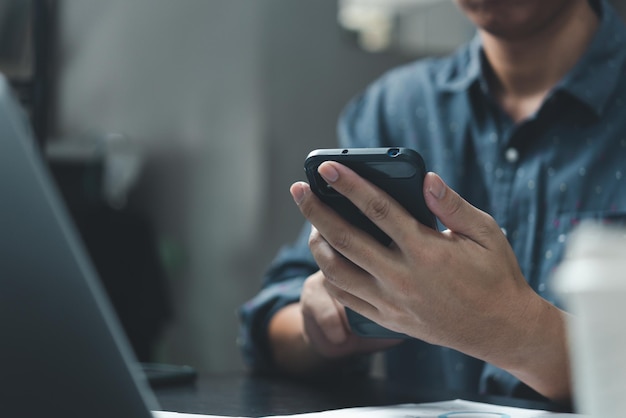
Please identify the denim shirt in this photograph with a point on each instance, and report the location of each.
(538, 178)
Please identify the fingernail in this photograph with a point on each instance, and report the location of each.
(437, 188)
(329, 172)
(297, 192)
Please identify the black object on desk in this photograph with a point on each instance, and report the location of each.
(159, 374)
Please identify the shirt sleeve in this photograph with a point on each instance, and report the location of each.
(281, 286)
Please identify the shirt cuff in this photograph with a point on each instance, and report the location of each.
(254, 317)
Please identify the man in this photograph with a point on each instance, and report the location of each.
(525, 122)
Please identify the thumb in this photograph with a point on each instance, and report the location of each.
(455, 212)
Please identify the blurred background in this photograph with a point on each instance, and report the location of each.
(174, 129)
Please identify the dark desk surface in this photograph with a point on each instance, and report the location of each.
(241, 395)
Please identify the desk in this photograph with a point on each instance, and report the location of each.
(238, 394)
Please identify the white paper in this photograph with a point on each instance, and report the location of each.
(448, 409)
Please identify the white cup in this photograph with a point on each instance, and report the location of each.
(591, 282)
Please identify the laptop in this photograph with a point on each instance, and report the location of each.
(62, 350)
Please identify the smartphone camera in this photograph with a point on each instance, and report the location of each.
(393, 152)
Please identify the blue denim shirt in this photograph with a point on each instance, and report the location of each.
(538, 179)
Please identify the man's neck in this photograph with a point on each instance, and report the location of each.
(525, 70)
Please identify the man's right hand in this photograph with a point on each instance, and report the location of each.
(326, 327)
(314, 333)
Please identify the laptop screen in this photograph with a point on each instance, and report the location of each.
(62, 350)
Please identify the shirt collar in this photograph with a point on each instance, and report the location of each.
(593, 78)
(603, 60)
(464, 69)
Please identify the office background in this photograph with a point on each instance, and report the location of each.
(222, 100)
(200, 113)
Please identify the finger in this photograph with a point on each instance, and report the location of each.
(456, 213)
(320, 333)
(360, 306)
(326, 326)
(377, 205)
(315, 336)
(353, 302)
(341, 272)
(323, 316)
(353, 243)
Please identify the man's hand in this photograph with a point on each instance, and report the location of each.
(326, 326)
(461, 288)
(309, 336)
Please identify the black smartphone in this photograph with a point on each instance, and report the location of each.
(397, 171)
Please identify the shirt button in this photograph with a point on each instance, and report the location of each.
(511, 155)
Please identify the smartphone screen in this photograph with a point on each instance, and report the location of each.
(397, 171)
